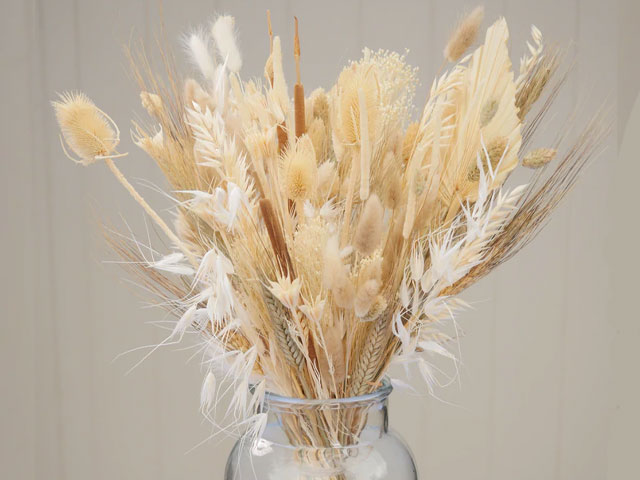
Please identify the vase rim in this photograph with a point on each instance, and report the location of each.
(378, 395)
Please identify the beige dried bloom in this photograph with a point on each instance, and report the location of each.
(336, 275)
(494, 151)
(86, 129)
(377, 308)
(539, 157)
(300, 169)
(318, 134)
(151, 102)
(320, 105)
(369, 230)
(409, 141)
(488, 111)
(464, 35)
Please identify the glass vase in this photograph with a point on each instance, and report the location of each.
(336, 439)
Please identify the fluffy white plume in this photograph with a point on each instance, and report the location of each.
(223, 33)
(201, 55)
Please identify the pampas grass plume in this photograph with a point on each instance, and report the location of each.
(87, 131)
(223, 34)
(464, 35)
(369, 230)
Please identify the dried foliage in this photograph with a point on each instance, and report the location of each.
(322, 238)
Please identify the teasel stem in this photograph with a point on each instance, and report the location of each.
(151, 212)
(298, 89)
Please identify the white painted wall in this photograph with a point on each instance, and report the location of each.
(549, 384)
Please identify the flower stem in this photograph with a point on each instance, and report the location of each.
(152, 213)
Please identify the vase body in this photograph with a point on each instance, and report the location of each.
(338, 439)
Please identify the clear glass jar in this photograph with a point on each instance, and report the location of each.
(337, 439)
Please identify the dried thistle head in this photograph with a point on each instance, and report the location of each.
(539, 157)
(86, 129)
(464, 35)
(320, 105)
(300, 169)
(355, 81)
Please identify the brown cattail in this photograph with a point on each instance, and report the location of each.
(369, 230)
(464, 35)
(539, 157)
(278, 243)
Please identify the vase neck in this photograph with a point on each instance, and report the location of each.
(330, 423)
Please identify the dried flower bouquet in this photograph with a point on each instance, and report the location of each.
(320, 238)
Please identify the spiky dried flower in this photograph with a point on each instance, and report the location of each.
(327, 234)
(86, 129)
(300, 169)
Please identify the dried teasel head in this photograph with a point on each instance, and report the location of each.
(300, 169)
(539, 157)
(357, 84)
(320, 105)
(318, 134)
(88, 131)
(464, 35)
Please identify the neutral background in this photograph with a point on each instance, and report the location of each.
(549, 386)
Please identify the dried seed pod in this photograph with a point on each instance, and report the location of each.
(539, 157)
(369, 230)
(464, 35)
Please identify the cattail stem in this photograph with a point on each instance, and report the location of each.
(298, 102)
(278, 243)
(270, 32)
(152, 213)
(298, 89)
